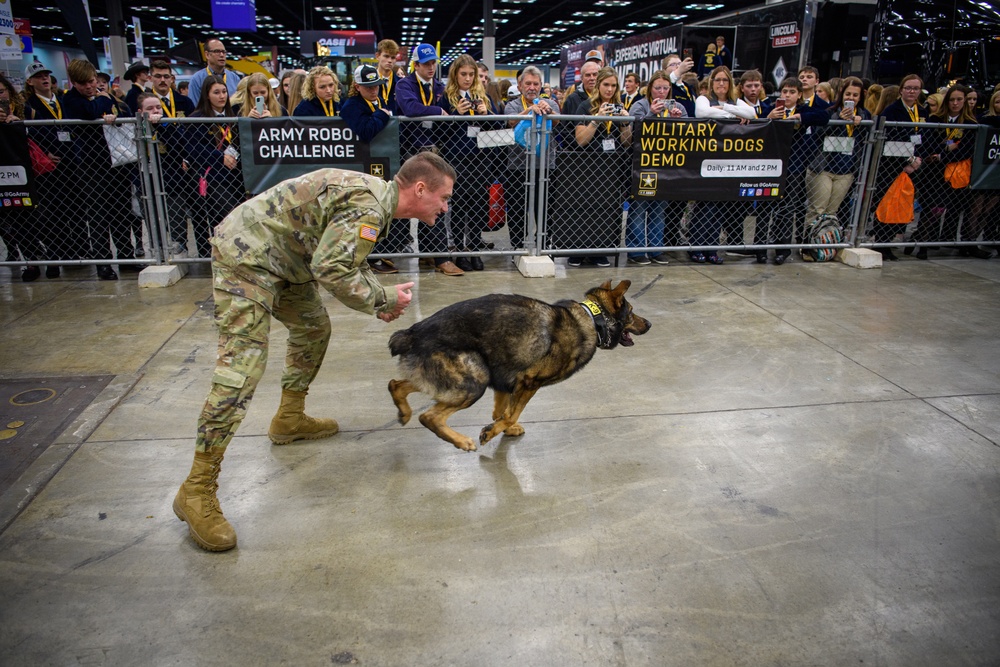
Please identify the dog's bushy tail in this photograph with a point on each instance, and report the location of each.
(400, 342)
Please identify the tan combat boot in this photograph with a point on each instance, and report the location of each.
(197, 505)
(292, 423)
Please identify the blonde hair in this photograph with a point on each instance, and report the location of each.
(871, 97)
(270, 100)
(309, 85)
(451, 90)
(603, 75)
(295, 85)
(241, 92)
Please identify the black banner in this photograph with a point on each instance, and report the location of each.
(643, 54)
(276, 149)
(986, 162)
(16, 187)
(683, 159)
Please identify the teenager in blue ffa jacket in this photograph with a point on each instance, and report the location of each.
(320, 94)
(903, 151)
(111, 213)
(365, 113)
(789, 214)
(419, 94)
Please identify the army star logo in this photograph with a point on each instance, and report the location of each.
(647, 179)
(376, 170)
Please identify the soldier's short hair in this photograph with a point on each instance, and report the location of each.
(428, 167)
(388, 47)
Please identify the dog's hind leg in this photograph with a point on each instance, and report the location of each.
(436, 419)
(399, 390)
(506, 423)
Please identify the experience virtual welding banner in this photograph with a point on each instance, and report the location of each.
(286, 147)
(685, 159)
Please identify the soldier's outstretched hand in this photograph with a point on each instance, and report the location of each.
(403, 298)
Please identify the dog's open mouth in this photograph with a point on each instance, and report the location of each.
(626, 339)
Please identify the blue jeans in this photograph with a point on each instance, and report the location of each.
(646, 222)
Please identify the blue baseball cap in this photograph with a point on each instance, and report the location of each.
(424, 53)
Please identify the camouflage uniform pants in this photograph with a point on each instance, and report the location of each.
(243, 311)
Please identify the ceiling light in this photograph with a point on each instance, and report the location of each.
(670, 17)
(642, 24)
(696, 7)
(587, 15)
(613, 3)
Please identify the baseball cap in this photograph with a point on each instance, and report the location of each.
(424, 53)
(594, 55)
(366, 75)
(513, 91)
(35, 68)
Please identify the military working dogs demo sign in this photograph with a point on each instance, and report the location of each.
(282, 148)
(683, 159)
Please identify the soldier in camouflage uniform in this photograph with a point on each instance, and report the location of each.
(270, 256)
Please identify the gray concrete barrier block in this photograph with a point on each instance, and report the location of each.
(860, 258)
(532, 266)
(161, 276)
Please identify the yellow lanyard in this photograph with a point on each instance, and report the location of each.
(627, 102)
(227, 135)
(371, 106)
(429, 96)
(55, 102)
(328, 110)
(756, 110)
(788, 112)
(953, 132)
(850, 130)
(524, 103)
(223, 75)
(170, 111)
(472, 107)
(387, 87)
(914, 113)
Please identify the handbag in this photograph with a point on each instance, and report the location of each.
(498, 207)
(203, 183)
(41, 163)
(121, 144)
(958, 174)
(896, 206)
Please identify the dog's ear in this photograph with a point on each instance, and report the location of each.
(620, 290)
(606, 285)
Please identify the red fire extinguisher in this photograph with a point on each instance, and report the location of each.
(498, 208)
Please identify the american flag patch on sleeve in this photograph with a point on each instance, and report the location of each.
(369, 233)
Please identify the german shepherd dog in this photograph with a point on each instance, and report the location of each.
(512, 344)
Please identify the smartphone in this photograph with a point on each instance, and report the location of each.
(5, 106)
(687, 53)
(259, 101)
(848, 104)
(779, 103)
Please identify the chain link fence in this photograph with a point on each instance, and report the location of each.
(133, 194)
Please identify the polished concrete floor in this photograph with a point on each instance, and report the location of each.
(797, 465)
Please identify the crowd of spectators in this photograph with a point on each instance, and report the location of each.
(588, 168)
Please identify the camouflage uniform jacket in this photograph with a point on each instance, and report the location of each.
(320, 226)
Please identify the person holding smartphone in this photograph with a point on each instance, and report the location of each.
(647, 218)
(831, 174)
(260, 99)
(212, 152)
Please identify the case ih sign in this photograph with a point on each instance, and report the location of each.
(784, 34)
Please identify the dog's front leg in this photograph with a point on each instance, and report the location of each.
(507, 422)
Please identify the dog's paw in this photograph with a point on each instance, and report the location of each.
(486, 434)
(514, 430)
(404, 416)
(466, 444)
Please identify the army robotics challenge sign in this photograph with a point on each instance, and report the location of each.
(684, 159)
(286, 147)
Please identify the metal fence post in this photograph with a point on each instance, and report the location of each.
(870, 162)
(151, 187)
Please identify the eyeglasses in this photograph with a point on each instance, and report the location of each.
(672, 65)
(911, 89)
(221, 52)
